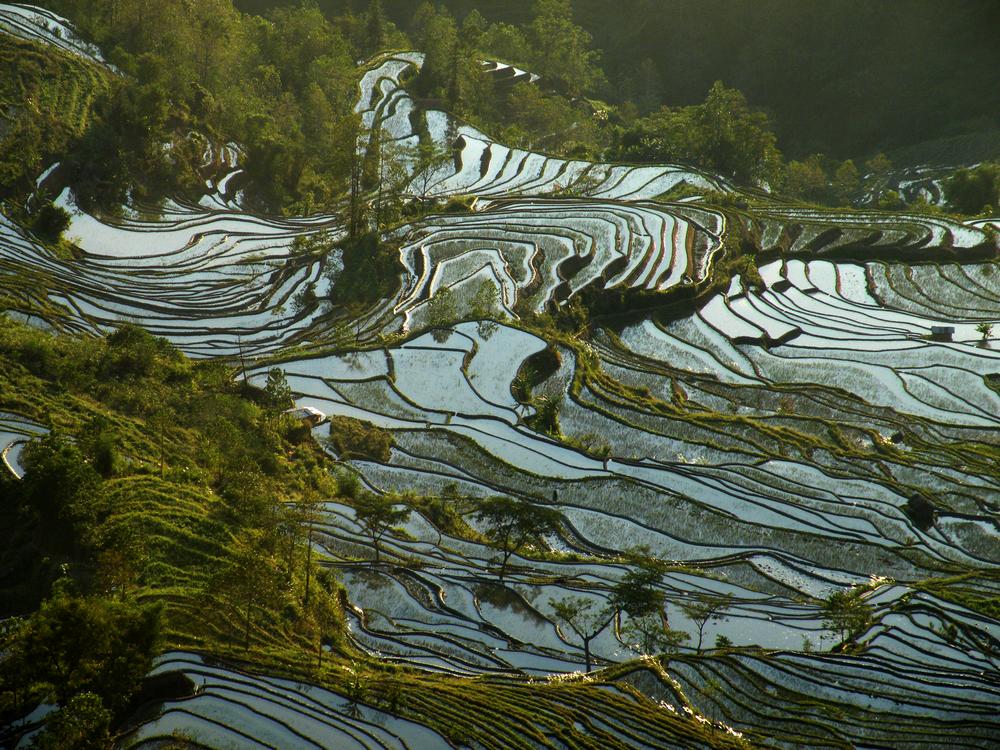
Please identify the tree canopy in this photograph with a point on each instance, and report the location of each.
(511, 525)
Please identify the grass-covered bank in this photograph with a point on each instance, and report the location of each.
(165, 483)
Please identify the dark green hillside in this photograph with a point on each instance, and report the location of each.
(847, 79)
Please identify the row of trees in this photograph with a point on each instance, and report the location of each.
(724, 134)
(638, 601)
(513, 526)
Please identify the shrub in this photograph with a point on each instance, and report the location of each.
(50, 221)
(355, 438)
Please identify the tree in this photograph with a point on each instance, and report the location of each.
(985, 330)
(637, 595)
(440, 41)
(546, 416)
(160, 421)
(847, 612)
(442, 309)
(562, 53)
(846, 183)
(50, 221)
(971, 191)
(279, 393)
(486, 301)
(62, 490)
(356, 438)
(75, 644)
(879, 165)
(722, 135)
(583, 616)
(374, 27)
(377, 514)
(122, 555)
(512, 524)
(82, 724)
(420, 22)
(250, 579)
(807, 179)
(704, 608)
(427, 159)
(393, 176)
(505, 42)
(99, 445)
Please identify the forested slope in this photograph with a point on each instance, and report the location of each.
(846, 79)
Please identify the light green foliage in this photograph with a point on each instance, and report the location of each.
(546, 416)
(160, 534)
(821, 180)
(847, 613)
(649, 634)
(442, 310)
(486, 301)
(355, 438)
(846, 183)
(82, 724)
(505, 42)
(279, 393)
(47, 100)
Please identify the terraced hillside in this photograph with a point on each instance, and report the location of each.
(772, 403)
(49, 86)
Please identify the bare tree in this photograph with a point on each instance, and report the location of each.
(703, 609)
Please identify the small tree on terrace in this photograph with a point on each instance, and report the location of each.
(638, 597)
(703, 609)
(847, 613)
(513, 524)
(377, 514)
(985, 330)
(585, 617)
(279, 393)
(428, 159)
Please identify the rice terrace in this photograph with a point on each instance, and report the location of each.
(511, 375)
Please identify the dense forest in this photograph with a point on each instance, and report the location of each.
(847, 79)
(282, 86)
